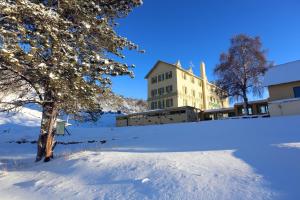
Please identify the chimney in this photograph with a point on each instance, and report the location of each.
(204, 86)
(202, 70)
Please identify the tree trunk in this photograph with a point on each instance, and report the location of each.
(46, 138)
(245, 104)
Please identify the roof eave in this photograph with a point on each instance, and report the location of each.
(151, 70)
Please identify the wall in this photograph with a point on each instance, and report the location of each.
(198, 86)
(189, 99)
(162, 68)
(282, 91)
(159, 117)
(288, 107)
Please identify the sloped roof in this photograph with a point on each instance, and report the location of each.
(159, 61)
(284, 73)
(172, 65)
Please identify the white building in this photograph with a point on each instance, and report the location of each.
(283, 82)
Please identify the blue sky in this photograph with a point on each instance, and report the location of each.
(199, 30)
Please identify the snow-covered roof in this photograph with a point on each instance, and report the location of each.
(252, 102)
(284, 101)
(284, 73)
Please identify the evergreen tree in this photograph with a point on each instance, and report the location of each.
(241, 70)
(54, 53)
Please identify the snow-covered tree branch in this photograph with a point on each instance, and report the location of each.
(54, 53)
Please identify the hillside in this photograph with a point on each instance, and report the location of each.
(115, 103)
(112, 105)
(227, 159)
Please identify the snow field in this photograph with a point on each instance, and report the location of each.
(226, 159)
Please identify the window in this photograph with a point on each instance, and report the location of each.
(184, 89)
(161, 77)
(154, 79)
(199, 83)
(213, 100)
(161, 91)
(159, 105)
(184, 75)
(153, 105)
(169, 75)
(249, 111)
(193, 92)
(153, 93)
(297, 92)
(193, 79)
(169, 102)
(263, 109)
(169, 88)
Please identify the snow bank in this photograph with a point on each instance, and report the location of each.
(26, 117)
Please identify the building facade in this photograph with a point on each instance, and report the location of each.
(256, 109)
(163, 116)
(283, 82)
(169, 85)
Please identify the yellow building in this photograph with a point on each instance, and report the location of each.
(283, 82)
(169, 85)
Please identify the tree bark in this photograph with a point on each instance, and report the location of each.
(245, 104)
(46, 142)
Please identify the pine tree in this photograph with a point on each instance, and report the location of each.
(55, 53)
(241, 70)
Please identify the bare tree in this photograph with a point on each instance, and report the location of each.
(241, 70)
(54, 53)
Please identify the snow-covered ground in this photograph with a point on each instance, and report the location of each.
(226, 159)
